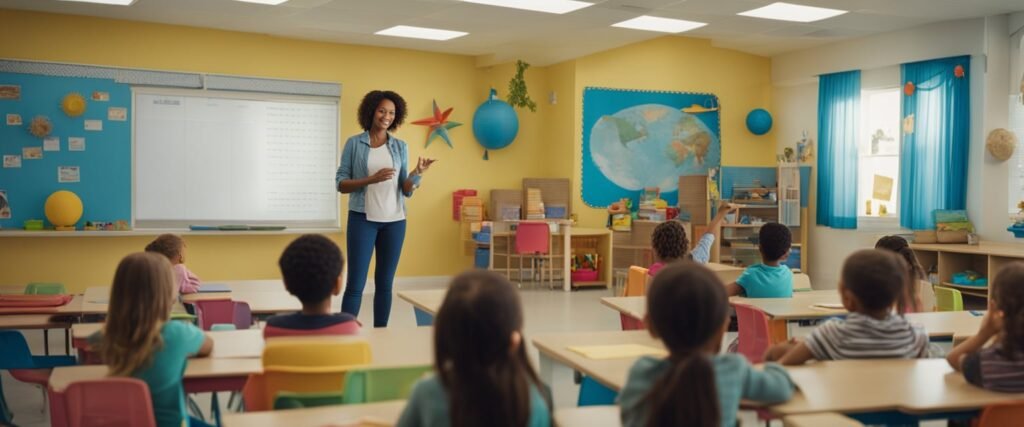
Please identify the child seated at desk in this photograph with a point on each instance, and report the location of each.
(695, 385)
(173, 247)
(998, 367)
(771, 278)
(139, 340)
(872, 281)
(482, 375)
(670, 243)
(311, 267)
(919, 296)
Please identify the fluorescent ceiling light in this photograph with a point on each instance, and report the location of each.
(547, 6)
(792, 12)
(663, 25)
(112, 2)
(270, 2)
(420, 33)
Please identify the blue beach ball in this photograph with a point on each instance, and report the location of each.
(495, 123)
(759, 121)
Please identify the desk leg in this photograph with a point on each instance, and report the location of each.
(559, 379)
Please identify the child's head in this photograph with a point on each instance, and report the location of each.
(774, 240)
(171, 246)
(669, 241)
(900, 246)
(311, 266)
(140, 303)
(687, 307)
(873, 281)
(1008, 298)
(479, 352)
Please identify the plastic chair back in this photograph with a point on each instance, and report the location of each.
(289, 400)
(801, 282)
(636, 282)
(306, 365)
(948, 299)
(376, 385)
(109, 402)
(40, 288)
(16, 353)
(345, 328)
(532, 238)
(242, 315)
(211, 312)
(754, 335)
(1001, 414)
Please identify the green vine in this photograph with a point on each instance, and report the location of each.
(517, 94)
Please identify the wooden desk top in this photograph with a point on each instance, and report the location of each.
(226, 344)
(610, 372)
(1011, 250)
(830, 419)
(427, 300)
(588, 416)
(263, 297)
(800, 306)
(717, 267)
(913, 386)
(203, 367)
(380, 413)
(31, 321)
(635, 307)
(954, 324)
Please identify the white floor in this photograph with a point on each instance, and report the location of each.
(545, 311)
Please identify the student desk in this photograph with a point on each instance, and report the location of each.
(424, 304)
(263, 297)
(829, 419)
(384, 413)
(588, 416)
(226, 344)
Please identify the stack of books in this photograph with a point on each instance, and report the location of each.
(472, 209)
(534, 204)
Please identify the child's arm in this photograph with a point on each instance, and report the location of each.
(990, 326)
(701, 252)
(206, 348)
(771, 385)
(734, 289)
(798, 354)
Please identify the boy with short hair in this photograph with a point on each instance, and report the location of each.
(771, 278)
(312, 270)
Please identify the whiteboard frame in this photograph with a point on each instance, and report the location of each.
(249, 96)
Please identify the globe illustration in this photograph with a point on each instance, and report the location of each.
(651, 145)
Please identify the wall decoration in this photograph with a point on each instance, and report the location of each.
(32, 153)
(94, 125)
(518, 96)
(439, 125)
(495, 124)
(805, 149)
(10, 92)
(73, 104)
(40, 127)
(759, 121)
(100, 96)
(908, 89)
(5, 206)
(958, 71)
(69, 174)
(51, 143)
(117, 114)
(76, 143)
(14, 120)
(636, 139)
(1001, 143)
(12, 161)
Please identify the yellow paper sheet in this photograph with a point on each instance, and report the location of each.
(617, 351)
(882, 188)
(828, 305)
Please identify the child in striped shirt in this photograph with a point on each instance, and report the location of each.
(871, 283)
(998, 367)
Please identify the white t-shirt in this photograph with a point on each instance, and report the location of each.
(382, 203)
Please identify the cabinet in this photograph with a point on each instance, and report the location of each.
(760, 203)
(986, 259)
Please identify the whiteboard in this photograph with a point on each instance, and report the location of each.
(215, 158)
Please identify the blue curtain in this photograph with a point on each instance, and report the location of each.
(933, 158)
(838, 125)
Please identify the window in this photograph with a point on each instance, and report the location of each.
(878, 171)
(1017, 161)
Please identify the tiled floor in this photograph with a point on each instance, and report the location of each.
(545, 311)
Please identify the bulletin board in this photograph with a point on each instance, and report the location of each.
(103, 159)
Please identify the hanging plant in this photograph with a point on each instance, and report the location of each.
(517, 94)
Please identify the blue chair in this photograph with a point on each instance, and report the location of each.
(593, 393)
(17, 359)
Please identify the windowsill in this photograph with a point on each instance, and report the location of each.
(874, 223)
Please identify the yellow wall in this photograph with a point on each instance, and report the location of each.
(548, 144)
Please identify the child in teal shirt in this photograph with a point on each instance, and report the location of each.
(482, 375)
(688, 310)
(772, 278)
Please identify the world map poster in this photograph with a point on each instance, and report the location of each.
(634, 139)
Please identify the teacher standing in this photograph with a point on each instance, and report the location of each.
(374, 172)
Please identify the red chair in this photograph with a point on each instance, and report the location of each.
(754, 333)
(108, 402)
(533, 240)
(222, 311)
(1001, 414)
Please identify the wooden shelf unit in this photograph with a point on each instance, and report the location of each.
(581, 240)
(986, 259)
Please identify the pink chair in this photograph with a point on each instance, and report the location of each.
(754, 335)
(222, 311)
(630, 323)
(533, 240)
(108, 402)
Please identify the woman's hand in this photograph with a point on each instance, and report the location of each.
(422, 165)
(381, 175)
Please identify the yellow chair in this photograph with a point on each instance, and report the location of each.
(948, 299)
(303, 366)
(801, 282)
(636, 282)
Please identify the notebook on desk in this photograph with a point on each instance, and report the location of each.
(213, 287)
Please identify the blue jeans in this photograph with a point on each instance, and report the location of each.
(363, 237)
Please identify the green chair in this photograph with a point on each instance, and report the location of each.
(948, 299)
(43, 288)
(290, 400)
(380, 384)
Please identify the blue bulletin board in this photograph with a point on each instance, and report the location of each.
(105, 168)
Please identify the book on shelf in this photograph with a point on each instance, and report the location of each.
(534, 204)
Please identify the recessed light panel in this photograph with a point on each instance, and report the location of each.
(781, 11)
(662, 25)
(547, 6)
(420, 33)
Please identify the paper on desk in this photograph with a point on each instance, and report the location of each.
(617, 351)
(829, 305)
(362, 422)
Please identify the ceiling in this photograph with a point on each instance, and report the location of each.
(499, 35)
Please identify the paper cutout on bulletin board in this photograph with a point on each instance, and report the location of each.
(76, 144)
(636, 139)
(11, 92)
(100, 96)
(117, 114)
(68, 174)
(12, 161)
(32, 153)
(14, 120)
(882, 188)
(5, 206)
(51, 143)
(94, 125)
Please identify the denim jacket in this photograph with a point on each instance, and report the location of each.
(354, 166)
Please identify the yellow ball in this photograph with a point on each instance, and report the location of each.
(63, 208)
